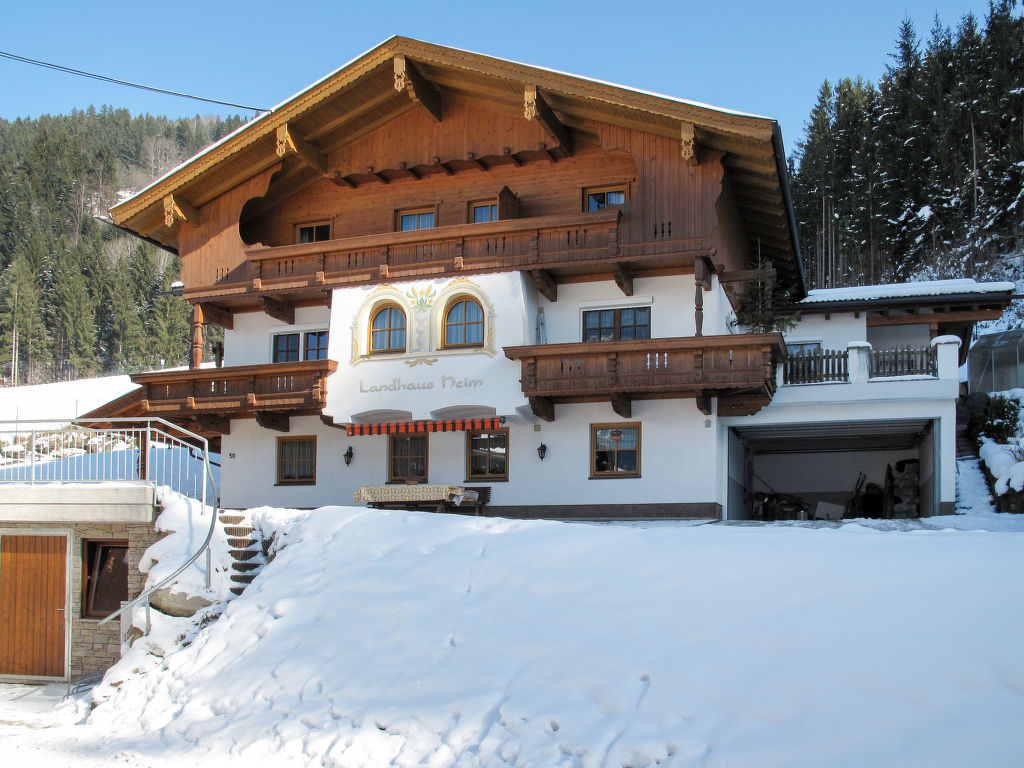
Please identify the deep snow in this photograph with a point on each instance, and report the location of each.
(394, 638)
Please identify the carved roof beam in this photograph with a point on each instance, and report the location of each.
(442, 166)
(420, 90)
(176, 209)
(691, 150)
(278, 310)
(536, 108)
(215, 315)
(289, 142)
(511, 157)
(476, 161)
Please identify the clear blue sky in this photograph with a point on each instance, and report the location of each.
(767, 58)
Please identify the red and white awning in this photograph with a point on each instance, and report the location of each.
(416, 427)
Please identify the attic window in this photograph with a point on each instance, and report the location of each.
(483, 211)
(596, 198)
(313, 232)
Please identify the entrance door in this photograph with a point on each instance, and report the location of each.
(32, 605)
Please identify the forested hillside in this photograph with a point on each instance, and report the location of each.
(923, 173)
(77, 296)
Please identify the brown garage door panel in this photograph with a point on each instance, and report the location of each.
(32, 595)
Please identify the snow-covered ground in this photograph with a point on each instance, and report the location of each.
(61, 400)
(398, 638)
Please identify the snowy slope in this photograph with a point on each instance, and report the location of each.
(62, 399)
(411, 639)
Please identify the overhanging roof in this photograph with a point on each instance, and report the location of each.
(361, 96)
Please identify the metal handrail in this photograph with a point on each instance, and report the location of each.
(204, 547)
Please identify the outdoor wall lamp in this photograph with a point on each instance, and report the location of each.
(348, 456)
(542, 451)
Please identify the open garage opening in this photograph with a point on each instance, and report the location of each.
(833, 470)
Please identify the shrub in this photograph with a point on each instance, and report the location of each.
(1001, 419)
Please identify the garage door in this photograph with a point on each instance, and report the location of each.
(32, 605)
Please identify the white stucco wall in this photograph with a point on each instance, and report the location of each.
(833, 333)
(250, 341)
(673, 469)
(882, 336)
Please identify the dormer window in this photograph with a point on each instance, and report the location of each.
(596, 198)
(313, 233)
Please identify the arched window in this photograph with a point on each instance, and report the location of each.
(464, 324)
(387, 330)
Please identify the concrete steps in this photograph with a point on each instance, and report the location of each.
(966, 447)
(246, 549)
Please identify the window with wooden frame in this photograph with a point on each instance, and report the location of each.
(614, 450)
(315, 347)
(596, 198)
(464, 323)
(416, 218)
(407, 458)
(623, 324)
(285, 347)
(313, 232)
(486, 455)
(483, 211)
(296, 460)
(104, 577)
(387, 329)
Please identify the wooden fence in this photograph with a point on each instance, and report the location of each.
(817, 366)
(903, 361)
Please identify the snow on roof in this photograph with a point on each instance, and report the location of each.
(905, 290)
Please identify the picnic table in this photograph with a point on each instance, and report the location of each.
(420, 496)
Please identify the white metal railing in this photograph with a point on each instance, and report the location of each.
(103, 451)
(151, 451)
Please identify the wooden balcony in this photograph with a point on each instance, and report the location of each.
(545, 245)
(211, 396)
(739, 370)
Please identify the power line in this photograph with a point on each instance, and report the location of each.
(115, 81)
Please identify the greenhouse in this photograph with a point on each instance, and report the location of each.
(994, 362)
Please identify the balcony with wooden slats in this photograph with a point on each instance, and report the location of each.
(211, 396)
(561, 244)
(739, 370)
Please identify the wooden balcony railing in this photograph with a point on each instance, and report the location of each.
(903, 361)
(674, 367)
(817, 366)
(242, 389)
(542, 242)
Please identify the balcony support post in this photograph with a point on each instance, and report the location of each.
(273, 420)
(195, 358)
(704, 401)
(546, 284)
(623, 279)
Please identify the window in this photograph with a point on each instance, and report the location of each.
(316, 345)
(803, 347)
(482, 212)
(464, 324)
(407, 457)
(486, 455)
(617, 324)
(296, 461)
(104, 577)
(286, 347)
(313, 233)
(597, 198)
(614, 450)
(387, 330)
(423, 218)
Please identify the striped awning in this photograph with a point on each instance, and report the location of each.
(414, 427)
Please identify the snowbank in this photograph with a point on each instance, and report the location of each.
(393, 638)
(64, 400)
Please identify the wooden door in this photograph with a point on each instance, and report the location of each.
(32, 605)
